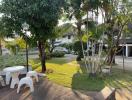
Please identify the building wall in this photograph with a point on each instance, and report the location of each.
(65, 39)
(128, 50)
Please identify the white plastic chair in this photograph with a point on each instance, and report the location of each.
(15, 79)
(8, 78)
(33, 74)
(28, 81)
(2, 81)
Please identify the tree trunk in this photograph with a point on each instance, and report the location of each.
(42, 55)
(111, 57)
(53, 46)
(0, 48)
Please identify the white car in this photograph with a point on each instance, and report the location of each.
(61, 49)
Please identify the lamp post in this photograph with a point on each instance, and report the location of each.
(25, 27)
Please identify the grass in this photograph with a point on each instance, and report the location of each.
(70, 74)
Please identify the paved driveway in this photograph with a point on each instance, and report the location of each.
(127, 62)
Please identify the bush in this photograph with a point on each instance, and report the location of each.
(12, 60)
(57, 54)
(69, 47)
(48, 56)
(77, 47)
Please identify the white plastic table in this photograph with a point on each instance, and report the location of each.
(13, 72)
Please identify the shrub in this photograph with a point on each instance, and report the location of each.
(48, 56)
(69, 46)
(57, 54)
(12, 60)
(77, 47)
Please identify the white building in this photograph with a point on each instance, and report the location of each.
(127, 48)
(66, 39)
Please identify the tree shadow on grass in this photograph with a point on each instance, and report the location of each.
(62, 60)
(59, 61)
(118, 79)
(82, 81)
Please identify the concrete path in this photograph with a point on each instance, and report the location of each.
(44, 90)
(127, 63)
(123, 94)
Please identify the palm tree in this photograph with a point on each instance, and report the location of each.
(81, 8)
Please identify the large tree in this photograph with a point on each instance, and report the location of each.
(41, 15)
(117, 16)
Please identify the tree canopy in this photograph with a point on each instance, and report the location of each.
(41, 15)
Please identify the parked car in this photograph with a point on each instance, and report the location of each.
(60, 49)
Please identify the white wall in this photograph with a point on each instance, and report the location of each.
(65, 40)
(128, 50)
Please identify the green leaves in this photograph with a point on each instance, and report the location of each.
(41, 15)
(6, 28)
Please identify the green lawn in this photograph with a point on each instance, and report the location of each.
(70, 74)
